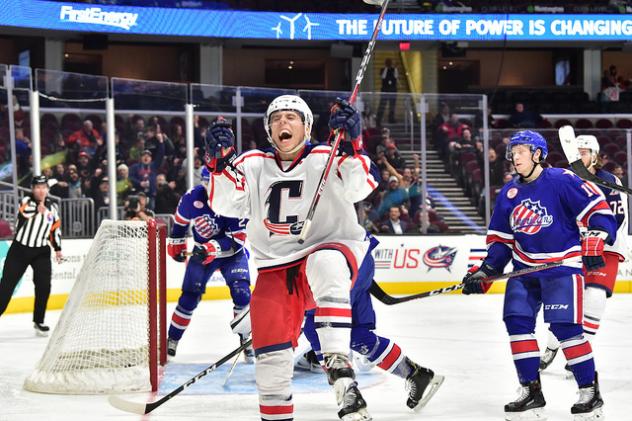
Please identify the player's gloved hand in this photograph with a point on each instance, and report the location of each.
(472, 280)
(344, 116)
(593, 242)
(176, 248)
(241, 323)
(207, 252)
(220, 146)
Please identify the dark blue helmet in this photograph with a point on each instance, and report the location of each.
(531, 138)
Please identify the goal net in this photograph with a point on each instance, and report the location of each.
(111, 337)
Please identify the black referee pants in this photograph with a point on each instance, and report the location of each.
(18, 259)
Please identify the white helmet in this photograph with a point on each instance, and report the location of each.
(587, 141)
(289, 103)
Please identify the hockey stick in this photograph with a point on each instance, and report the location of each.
(389, 300)
(230, 370)
(145, 408)
(569, 145)
(340, 133)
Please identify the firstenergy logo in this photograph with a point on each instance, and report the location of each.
(96, 16)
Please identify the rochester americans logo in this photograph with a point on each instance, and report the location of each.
(530, 217)
(440, 257)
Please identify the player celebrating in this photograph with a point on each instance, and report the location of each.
(273, 188)
(421, 382)
(599, 282)
(535, 221)
(219, 244)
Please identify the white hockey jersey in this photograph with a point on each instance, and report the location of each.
(275, 197)
(619, 205)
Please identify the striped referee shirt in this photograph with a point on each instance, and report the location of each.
(37, 229)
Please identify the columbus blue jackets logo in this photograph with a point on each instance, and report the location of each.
(206, 226)
(440, 257)
(294, 228)
(530, 217)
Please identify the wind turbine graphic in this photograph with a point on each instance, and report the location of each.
(291, 21)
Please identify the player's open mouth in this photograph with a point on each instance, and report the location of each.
(285, 135)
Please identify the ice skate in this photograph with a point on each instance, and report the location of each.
(421, 384)
(308, 362)
(529, 406)
(547, 358)
(341, 376)
(41, 329)
(172, 346)
(589, 407)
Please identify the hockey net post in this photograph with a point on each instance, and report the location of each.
(111, 336)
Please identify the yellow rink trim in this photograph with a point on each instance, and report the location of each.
(57, 301)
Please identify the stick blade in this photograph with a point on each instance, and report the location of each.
(128, 406)
(374, 2)
(569, 145)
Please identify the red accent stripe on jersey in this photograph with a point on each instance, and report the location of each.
(231, 178)
(520, 347)
(251, 155)
(342, 159)
(180, 219)
(547, 260)
(180, 320)
(319, 151)
(590, 325)
(211, 191)
(603, 205)
(276, 409)
(282, 229)
(332, 312)
(579, 299)
(493, 238)
(391, 358)
(372, 183)
(577, 351)
(241, 236)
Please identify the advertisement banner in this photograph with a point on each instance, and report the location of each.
(82, 17)
(403, 265)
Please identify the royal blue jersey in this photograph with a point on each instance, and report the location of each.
(193, 209)
(536, 223)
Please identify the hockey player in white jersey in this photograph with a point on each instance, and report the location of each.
(273, 189)
(600, 282)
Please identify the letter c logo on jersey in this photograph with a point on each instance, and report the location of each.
(530, 217)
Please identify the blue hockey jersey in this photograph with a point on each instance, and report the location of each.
(193, 209)
(536, 223)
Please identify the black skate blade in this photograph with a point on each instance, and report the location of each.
(431, 389)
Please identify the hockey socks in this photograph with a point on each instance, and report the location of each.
(577, 350)
(524, 347)
(182, 314)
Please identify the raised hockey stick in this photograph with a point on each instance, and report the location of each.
(143, 408)
(389, 300)
(569, 145)
(340, 133)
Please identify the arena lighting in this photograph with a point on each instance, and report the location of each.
(404, 46)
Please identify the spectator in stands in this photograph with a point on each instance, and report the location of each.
(154, 137)
(496, 168)
(386, 142)
(74, 183)
(394, 196)
(136, 130)
(433, 222)
(524, 118)
(145, 207)
(620, 173)
(85, 139)
(124, 185)
(448, 131)
(84, 166)
(101, 194)
(23, 150)
(389, 76)
(394, 224)
(366, 216)
(143, 174)
(395, 158)
(166, 197)
(58, 186)
(442, 117)
(609, 79)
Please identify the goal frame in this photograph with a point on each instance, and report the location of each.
(157, 302)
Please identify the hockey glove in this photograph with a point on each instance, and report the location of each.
(344, 116)
(593, 242)
(177, 247)
(207, 252)
(220, 146)
(472, 280)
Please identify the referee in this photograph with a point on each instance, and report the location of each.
(38, 224)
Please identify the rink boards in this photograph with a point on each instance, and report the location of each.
(404, 265)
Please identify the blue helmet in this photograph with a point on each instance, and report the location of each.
(206, 175)
(531, 138)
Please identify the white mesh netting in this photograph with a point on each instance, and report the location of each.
(100, 344)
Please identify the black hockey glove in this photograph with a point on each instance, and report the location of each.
(472, 280)
(220, 146)
(344, 116)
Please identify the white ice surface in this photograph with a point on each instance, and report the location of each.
(460, 337)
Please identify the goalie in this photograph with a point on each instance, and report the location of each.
(219, 244)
